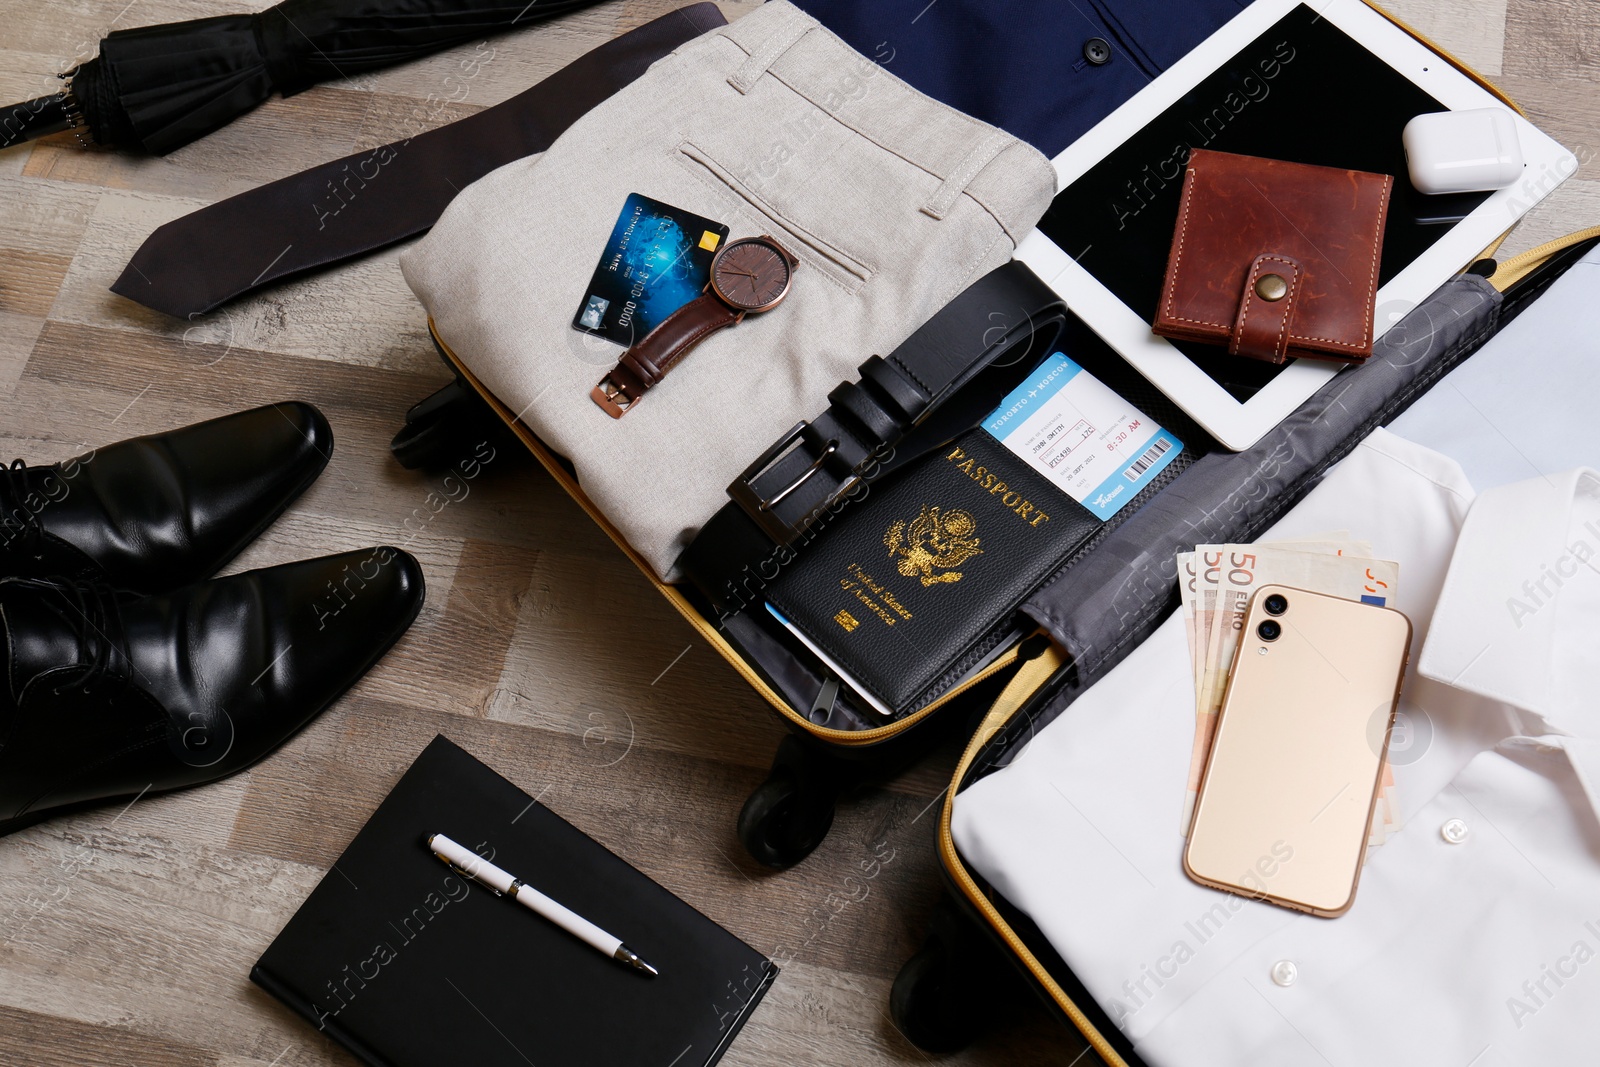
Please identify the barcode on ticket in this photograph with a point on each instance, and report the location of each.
(1146, 461)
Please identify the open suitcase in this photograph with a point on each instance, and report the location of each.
(979, 943)
(831, 747)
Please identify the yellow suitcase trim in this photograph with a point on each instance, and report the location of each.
(1513, 270)
(702, 626)
(1029, 677)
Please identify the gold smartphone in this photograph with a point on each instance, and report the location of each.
(1297, 759)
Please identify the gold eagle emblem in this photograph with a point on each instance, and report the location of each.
(933, 544)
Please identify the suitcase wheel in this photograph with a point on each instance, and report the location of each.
(790, 813)
(444, 429)
(783, 821)
(948, 994)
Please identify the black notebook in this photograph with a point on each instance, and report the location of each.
(409, 964)
(922, 578)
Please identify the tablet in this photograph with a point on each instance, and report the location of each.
(1332, 85)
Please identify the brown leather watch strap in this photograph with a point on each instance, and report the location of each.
(649, 360)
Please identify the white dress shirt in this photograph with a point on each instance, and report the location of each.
(1475, 935)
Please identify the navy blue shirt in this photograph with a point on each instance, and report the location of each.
(1044, 70)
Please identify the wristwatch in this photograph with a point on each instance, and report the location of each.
(752, 274)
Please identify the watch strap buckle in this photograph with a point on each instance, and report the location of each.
(612, 397)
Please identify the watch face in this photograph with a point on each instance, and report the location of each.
(751, 274)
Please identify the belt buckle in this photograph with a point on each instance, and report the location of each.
(759, 509)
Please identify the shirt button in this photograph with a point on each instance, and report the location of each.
(1097, 51)
(1284, 972)
(1454, 831)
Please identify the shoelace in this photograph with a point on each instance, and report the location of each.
(94, 613)
(20, 528)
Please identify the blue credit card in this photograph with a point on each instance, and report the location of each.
(657, 260)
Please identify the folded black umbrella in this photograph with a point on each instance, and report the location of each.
(157, 88)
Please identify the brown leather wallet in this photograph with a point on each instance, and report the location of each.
(1275, 260)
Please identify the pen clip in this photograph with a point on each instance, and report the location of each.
(468, 875)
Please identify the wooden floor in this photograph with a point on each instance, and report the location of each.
(126, 935)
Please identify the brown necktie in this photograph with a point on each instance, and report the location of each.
(370, 200)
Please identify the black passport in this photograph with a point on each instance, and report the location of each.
(408, 964)
(924, 576)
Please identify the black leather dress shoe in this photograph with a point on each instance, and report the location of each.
(108, 698)
(157, 513)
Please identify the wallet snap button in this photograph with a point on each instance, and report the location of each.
(1271, 287)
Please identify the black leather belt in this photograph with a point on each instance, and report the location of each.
(781, 500)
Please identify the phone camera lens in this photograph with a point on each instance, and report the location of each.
(1276, 604)
(1269, 630)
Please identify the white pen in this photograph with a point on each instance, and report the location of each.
(480, 870)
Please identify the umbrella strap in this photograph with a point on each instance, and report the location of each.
(272, 30)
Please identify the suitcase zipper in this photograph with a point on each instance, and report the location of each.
(1033, 674)
(712, 636)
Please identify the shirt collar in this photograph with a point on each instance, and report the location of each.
(1518, 619)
